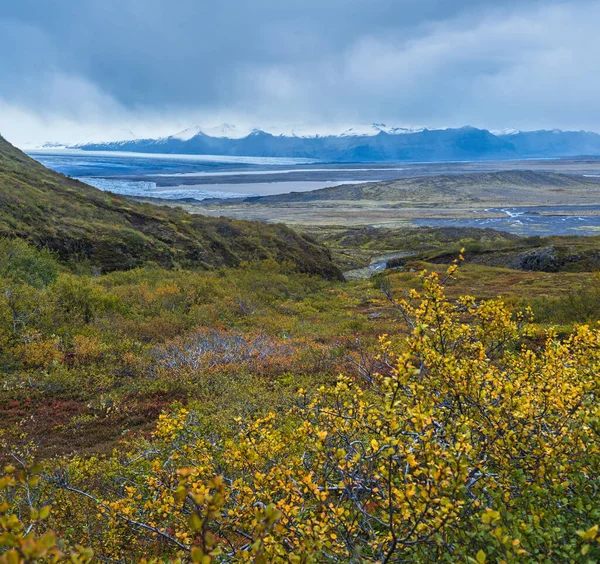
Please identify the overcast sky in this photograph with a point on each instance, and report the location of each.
(72, 69)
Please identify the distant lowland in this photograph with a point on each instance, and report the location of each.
(525, 183)
(523, 202)
(376, 143)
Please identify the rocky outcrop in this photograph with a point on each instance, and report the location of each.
(544, 259)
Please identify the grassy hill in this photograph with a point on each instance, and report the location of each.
(542, 254)
(356, 247)
(110, 232)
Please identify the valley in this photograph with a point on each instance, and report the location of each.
(299, 282)
(521, 202)
(532, 197)
(138, 339)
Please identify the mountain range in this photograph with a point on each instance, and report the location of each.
(376, 143)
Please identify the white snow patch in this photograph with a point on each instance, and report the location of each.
(505, 132)
(187, 134)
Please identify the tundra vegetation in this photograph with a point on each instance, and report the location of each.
(263, 412)
(259, 414)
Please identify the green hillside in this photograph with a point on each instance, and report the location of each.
(81, 223)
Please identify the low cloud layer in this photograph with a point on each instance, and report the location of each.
(73, 70)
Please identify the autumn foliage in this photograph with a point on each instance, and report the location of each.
(474, 442)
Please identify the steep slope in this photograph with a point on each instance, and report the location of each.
(79, 222)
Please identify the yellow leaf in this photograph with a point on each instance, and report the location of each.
(195, 522)
(44, 512)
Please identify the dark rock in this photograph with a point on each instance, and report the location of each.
(540, 260)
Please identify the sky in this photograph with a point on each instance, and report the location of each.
(76, 70)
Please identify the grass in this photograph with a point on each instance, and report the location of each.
(561, 299)
(84, 225)
(96, 358)
(355, 247)
(86, 360)
(550, 254)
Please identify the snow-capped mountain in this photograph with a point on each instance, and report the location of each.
(126, 136)
(376, 128)
(223, 130)
(374, 142)
(187, 134)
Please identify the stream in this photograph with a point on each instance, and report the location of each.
(377, 264)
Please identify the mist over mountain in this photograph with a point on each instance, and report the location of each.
(374, 144)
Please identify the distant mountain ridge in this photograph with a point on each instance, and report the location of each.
(377, 143)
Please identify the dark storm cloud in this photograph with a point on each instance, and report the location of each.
(429, 62)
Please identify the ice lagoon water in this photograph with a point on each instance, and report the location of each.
(199, 177)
